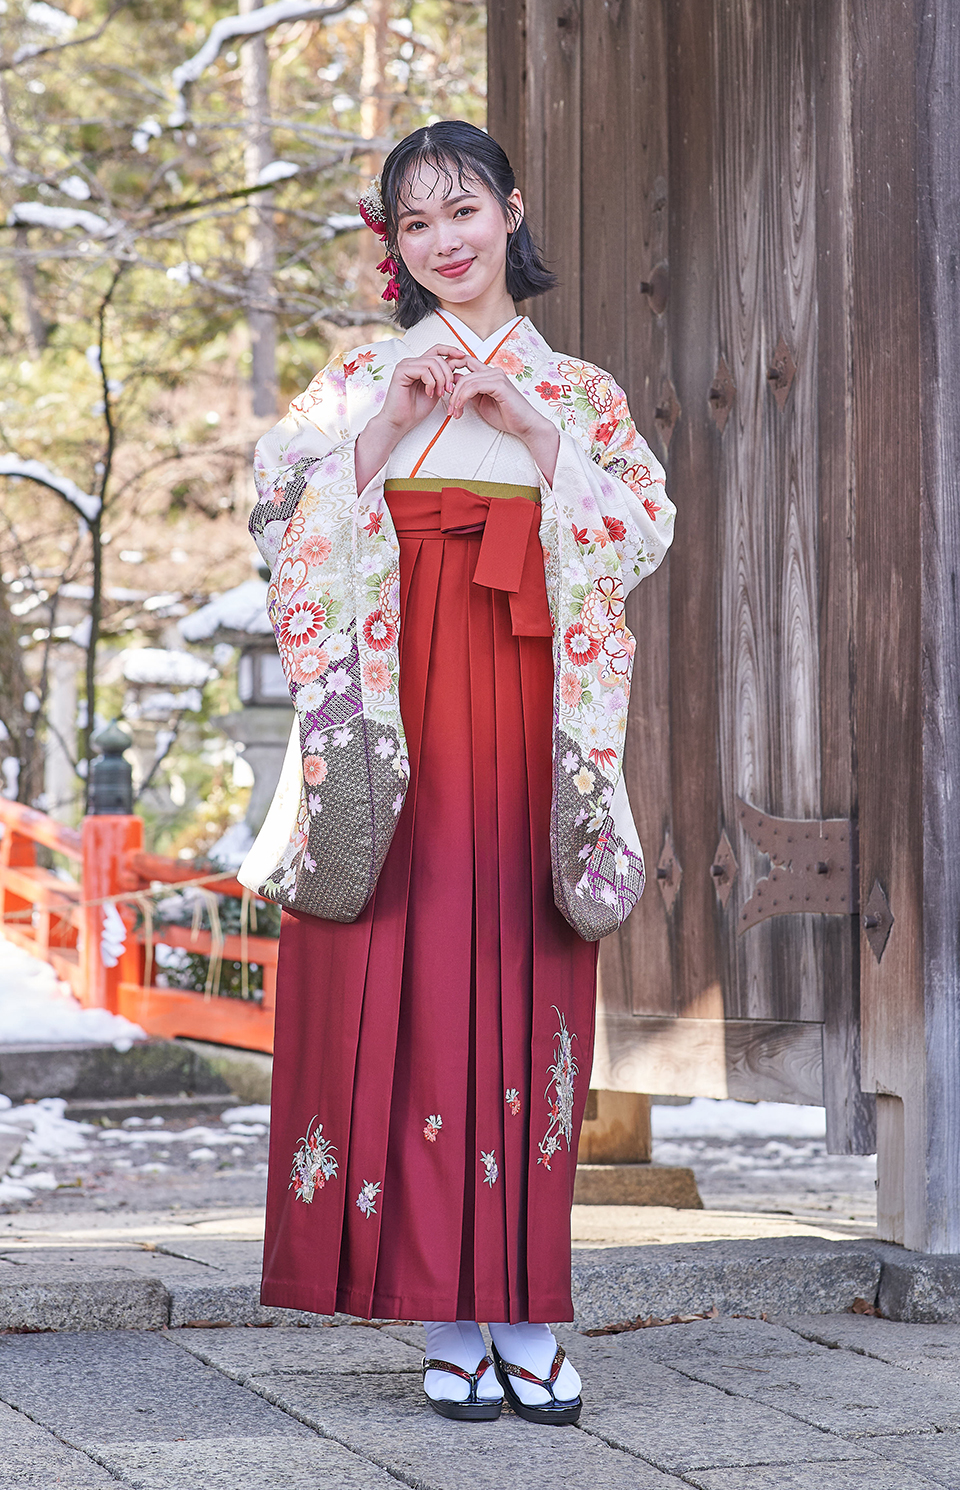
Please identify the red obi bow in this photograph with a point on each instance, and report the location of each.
(511, 558)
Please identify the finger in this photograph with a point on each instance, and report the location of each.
(445, 349)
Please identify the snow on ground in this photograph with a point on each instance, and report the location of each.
(36, 1008)
(138, 1144)
(724, 1118)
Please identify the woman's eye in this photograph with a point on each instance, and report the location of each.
(462, 209)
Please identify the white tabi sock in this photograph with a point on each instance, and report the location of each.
(533, 1346)
(461, 1343)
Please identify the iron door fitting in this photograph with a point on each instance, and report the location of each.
(814, 866)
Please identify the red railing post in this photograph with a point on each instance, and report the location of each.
(106, 841)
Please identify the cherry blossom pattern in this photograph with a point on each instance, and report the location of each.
(432, 1127)
(512, 1098)
(559, 1094)
(313, 1163)
(367, 1199)
(490, 1167)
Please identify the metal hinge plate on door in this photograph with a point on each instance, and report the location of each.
(814, 866)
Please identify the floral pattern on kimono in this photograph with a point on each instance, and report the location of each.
(606, 522)
(559, 1094)
(432, 1127)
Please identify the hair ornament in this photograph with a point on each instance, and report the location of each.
(370, 207)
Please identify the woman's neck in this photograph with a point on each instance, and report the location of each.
(482, 316)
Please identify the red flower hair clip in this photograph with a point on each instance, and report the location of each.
(371, 210)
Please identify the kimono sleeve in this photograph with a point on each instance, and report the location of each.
(285, 456)
(625, 480)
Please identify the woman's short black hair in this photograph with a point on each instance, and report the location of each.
(455, 148)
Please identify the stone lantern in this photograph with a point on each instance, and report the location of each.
(262, 726)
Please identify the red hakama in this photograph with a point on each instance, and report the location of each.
(443, 1039)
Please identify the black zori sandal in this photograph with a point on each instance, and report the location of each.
(472, 1410)
(552, 1411)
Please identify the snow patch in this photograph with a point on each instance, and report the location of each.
(241, 609)
(726, 1118)
(277, 170)
(35, 1007)
(256, 1112)
(158, 666)
(75, 187)
(39, 215)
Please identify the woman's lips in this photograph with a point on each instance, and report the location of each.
(454, 271)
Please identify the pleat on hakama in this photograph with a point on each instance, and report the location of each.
(435, 1038)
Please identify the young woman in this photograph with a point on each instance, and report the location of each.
(453, 519)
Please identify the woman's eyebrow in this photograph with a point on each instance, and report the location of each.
(447, 202)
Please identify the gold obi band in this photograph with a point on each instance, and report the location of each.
(490, 489)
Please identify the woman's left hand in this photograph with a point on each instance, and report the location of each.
(499, 402)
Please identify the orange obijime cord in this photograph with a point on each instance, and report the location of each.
(487, 360)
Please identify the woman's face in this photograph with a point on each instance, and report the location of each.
(453, 237)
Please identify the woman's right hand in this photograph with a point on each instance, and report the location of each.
(416, 386)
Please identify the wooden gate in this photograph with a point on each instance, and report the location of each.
(700, 154)
(752, 207)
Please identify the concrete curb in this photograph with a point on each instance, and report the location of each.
(783, 1276)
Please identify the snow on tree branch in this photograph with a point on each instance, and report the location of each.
(34, 470)
(252, 24)
(39, 215)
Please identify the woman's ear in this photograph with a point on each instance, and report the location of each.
(515, 204)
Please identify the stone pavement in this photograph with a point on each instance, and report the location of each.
(820, 1402)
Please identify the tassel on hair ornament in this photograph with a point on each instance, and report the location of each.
(371, 210)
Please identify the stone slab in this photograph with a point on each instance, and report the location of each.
(934, 1455)
(636, 1184)
(841, 1476)
(150, 1067)
(223, 1255)
(920, 1290)
(31, 1458)
(636, 1404)
(386, 1419)
(784, 1275)
(932, 1349)
(245, 1354)
(836, 1390)
(46, 1298)
(229, 1463)
(127, 1386)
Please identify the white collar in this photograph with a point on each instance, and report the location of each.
(432, 329)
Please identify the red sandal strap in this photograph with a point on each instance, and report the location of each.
(537, 1381)
(437, 1365)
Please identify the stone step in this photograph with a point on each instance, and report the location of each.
(150, 1068)
(117, 1109)
(637, 1184)
(202, 1284)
